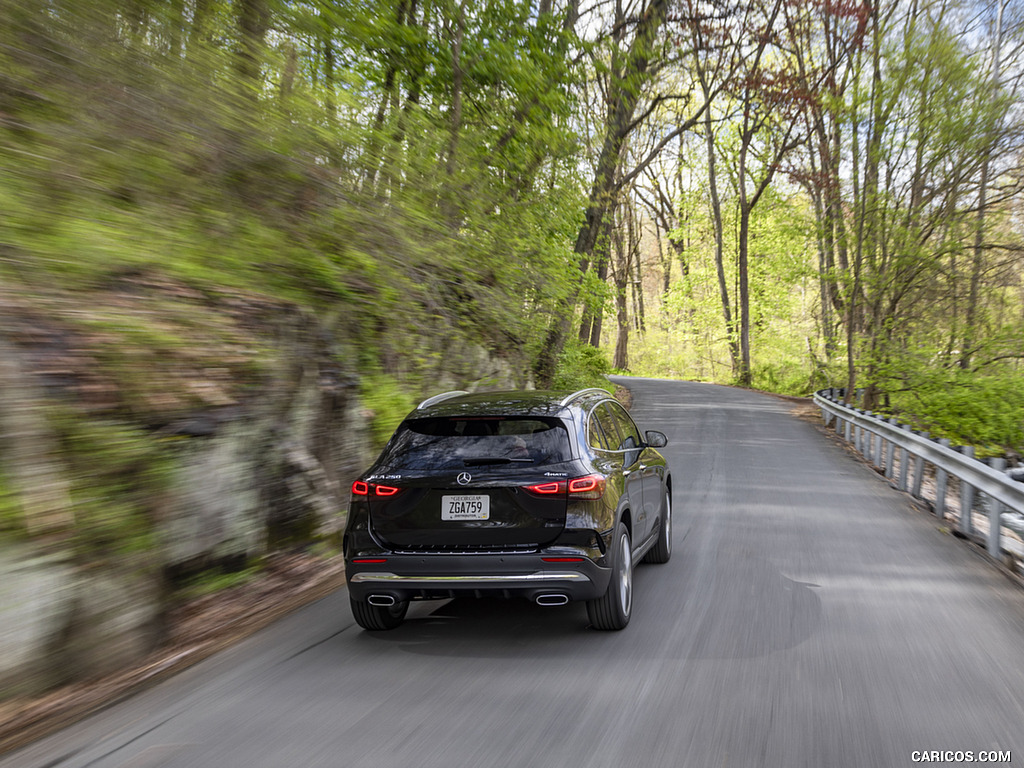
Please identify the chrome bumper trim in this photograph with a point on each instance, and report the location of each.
(524, 578)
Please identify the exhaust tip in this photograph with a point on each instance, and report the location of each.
(382, 600)
(551, 599)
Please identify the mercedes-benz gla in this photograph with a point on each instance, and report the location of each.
(544, 495)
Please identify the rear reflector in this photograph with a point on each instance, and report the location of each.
(364, 560)
(562, 559)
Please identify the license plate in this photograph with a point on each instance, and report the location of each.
(474, 507)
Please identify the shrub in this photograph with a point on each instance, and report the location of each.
(388, 404)
(986, 411)
(581, 366)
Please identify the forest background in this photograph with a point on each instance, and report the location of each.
(783, 194)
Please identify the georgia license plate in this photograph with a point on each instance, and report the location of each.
(474, 507)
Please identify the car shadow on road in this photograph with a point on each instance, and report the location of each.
(495, 628)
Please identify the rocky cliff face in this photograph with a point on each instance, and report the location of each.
(147, 436)
(149, 432)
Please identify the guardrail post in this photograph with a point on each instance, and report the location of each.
(890, 459)
(995, 511)
(904, 462)
(941, 481)
(918, 472)
(966, 496)
(878, 439)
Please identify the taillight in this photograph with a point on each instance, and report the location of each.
(361, 488)
(589, 487)
(546, 489)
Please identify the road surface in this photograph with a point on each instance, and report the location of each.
(810, 616)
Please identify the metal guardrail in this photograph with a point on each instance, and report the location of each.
(877, 439)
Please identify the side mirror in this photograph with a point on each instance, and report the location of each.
(655, 439)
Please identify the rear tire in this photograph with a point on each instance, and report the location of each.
(378, 618)
(612, 610)
(662, 549)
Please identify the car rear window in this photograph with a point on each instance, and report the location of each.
(460, 442)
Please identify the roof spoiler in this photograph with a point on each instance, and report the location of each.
(440, 398)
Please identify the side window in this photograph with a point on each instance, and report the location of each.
(626, 426)
(631, 441)
(595, 433)
(607, 422)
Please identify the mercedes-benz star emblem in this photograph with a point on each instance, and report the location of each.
(464, 478)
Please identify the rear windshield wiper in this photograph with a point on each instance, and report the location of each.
(481, 460)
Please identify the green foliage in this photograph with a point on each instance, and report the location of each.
(581, 365)
(984, 410)
(785, 379)
(686, 335)
(328, 156)
(161, 153)
(388, 403)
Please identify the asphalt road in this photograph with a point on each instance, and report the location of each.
(809, 617)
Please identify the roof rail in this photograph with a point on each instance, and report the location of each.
(581, 392)
(439, 398)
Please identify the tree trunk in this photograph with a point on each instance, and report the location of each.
(744, 377)
(458, 75)
(602, 276)
(716, 218)
(592, 317)
(621, 279)
(253, 25)
(637, 279)
(977, 263)
(199, 30)
(177, 28)
(624, 94)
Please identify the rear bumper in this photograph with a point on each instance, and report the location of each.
(416, 577)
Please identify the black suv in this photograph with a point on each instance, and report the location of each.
(544, 495)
